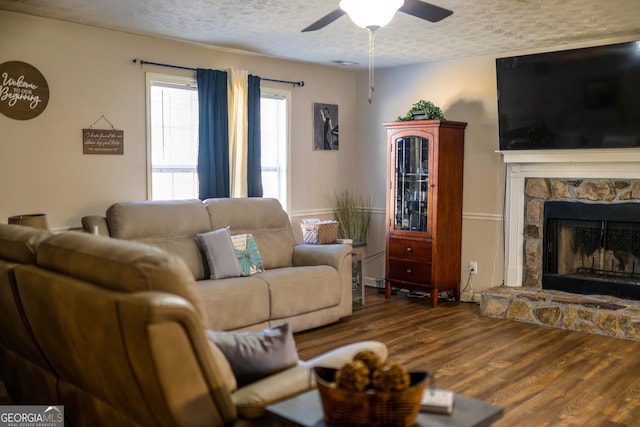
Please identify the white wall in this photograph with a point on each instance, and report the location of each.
(90, 74)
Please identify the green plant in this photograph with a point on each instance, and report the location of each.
(430, 110)
(354, 215)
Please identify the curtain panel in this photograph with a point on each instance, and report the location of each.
(238, 145)
(254, 153)
(213, 147)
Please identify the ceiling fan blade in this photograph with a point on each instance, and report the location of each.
(423, 10)
(325, 20)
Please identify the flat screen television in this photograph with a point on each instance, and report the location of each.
(579, 98)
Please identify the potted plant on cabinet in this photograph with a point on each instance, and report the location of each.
(423, 110)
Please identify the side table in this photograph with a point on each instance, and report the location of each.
(357, 254)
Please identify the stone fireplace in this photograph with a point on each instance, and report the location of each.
(583, 235)
(533, 179)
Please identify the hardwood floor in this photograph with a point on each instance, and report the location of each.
(540, 376)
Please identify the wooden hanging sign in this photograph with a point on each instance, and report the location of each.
(24, 92)
(102, 141)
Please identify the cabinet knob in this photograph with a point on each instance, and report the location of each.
(409, 271)
(409, 249)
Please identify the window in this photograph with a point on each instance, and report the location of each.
(274, 124)
(173, 122)
(173, 147)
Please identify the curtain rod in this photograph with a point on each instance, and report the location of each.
(143, 62)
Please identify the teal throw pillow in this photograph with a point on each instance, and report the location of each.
(247, 253)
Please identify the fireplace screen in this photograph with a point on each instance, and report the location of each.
(592, 248)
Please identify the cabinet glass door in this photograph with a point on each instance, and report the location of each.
(412, 183)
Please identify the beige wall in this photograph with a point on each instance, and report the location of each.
(89, 71)
(466, 91)
(90, 74)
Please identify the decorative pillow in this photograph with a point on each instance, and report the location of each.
(247, 254)
(255, 355)
(220, 254)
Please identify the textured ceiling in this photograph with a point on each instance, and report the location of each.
(272, 27)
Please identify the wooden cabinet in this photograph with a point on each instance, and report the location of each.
(424, 206)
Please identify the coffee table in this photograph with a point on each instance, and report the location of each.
(305, 410)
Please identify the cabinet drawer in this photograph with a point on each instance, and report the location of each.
(410, 271)
(410, 250)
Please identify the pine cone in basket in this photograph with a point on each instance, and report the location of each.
(370, 359)
(392, 377)
(353, 376)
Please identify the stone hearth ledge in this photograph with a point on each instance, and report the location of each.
(595, 314)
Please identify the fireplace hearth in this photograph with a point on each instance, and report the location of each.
(595, 314)
(592, 248)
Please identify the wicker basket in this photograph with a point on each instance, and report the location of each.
(370, 408)
(320, 233)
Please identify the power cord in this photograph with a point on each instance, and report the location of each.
(467, 286)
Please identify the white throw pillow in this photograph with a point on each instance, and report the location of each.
(220, 254)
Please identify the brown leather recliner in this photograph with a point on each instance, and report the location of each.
(27, 374)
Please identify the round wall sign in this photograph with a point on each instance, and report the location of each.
(24, 92)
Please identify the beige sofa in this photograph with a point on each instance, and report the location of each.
(305, 285)
(115, 331)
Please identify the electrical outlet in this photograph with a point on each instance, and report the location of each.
(473, 267)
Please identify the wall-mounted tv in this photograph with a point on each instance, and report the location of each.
(579, 98)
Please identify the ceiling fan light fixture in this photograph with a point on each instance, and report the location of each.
(371, 14)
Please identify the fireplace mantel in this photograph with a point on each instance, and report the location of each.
(623, 163)
(604, 155)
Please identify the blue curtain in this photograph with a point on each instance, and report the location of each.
(254, 164)
(213, 151)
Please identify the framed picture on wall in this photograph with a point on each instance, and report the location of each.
(325, 127)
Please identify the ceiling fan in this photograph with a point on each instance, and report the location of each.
(375, 14)
(417, 8)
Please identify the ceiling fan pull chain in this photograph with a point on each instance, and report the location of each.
(371, 60)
